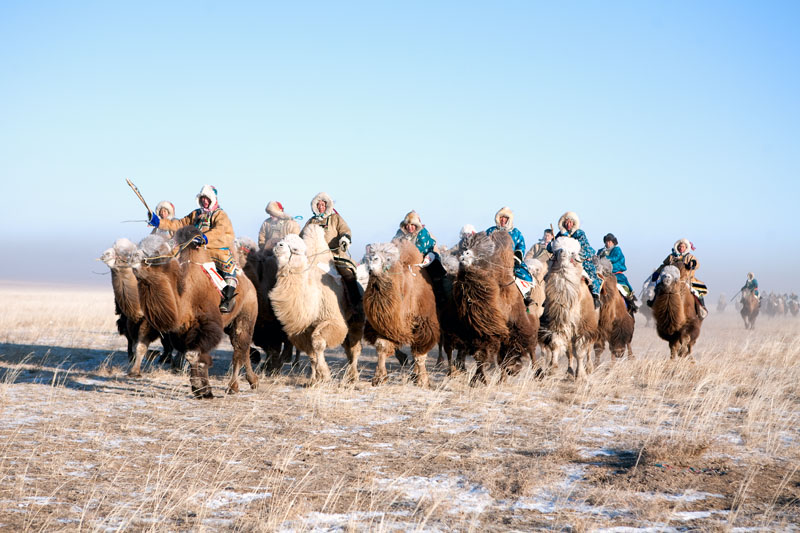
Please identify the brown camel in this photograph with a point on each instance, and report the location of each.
(750, 309)
(131, 322)
(615, 323)
(569, 324)
(495, 324)
(400, 306)
(178, 296)
(675, 311)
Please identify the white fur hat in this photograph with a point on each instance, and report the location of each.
(504, 212)
(210, 192)
(275, 209)
(750, 275)
(166, 205)
(411, 218)
(328, 203)
(574, 217)
(688, 244)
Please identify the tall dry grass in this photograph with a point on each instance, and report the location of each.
(709, 443)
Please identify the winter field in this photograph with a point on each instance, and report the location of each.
(643, 445)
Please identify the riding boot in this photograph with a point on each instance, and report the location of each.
(352, 290)
(228, 300)
(702, 312)
(596, 298)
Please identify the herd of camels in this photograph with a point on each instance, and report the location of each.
(291, 296)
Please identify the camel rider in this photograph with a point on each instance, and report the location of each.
(539, 250)
(681, 255)
(165, 211)
(276, 227)
(614, 254)
(412, 229)
(569, 225)
(337, 235)
(217, 235)
(751, 285)
(504, 221)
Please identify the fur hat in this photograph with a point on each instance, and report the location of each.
(504, 212)
(569, 215)
(328, 204)
(689, 245)
(610, 237)
(275, 209)
(411, 218)
(166, 205)
(210, 192)
(750, 275)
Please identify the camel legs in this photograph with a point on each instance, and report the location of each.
(144, 336)
(420, 372)
(352, 348)
(241, 357)
(584, 364)
(320, 371)
(384, 349)
(198, 375)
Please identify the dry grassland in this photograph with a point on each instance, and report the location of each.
(642, 445)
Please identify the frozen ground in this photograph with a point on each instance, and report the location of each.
(643, 445)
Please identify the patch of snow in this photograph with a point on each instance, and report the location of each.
(461, 496)
(361, 455)
(329, 522)
(691, 515)
(389, 420)
(228, 497)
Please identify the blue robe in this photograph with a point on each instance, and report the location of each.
(520, 269)
(617, 259)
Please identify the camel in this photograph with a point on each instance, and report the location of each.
(400, 306)
(309, 301)
(178, 296)
(750, 309)
(615, 323)
(131, 323)
(495, 324)
(793, 306)
(569, 325)
(675, 311)
(261, 267)
(722, 303)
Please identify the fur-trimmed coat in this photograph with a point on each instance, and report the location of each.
(216, 226)
(421, 238)
(331, 222)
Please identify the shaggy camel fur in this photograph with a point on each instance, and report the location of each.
(177, 296)
(749, 310)
(309, 300)
(569, 325)
(261, 267)
(615, 322)
(400, 306)
(131, 323)
(674, 310)
(495, 324)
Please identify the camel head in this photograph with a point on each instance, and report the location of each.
(291, 250)
(120, 254)
(566, 254)
(153, 247)
(603, 266)
(381, 256)
(475, 248)
(669, 278)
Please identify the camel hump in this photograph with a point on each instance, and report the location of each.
(186, 234)
(316, 245)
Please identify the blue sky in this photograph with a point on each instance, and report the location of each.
(652, 120)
